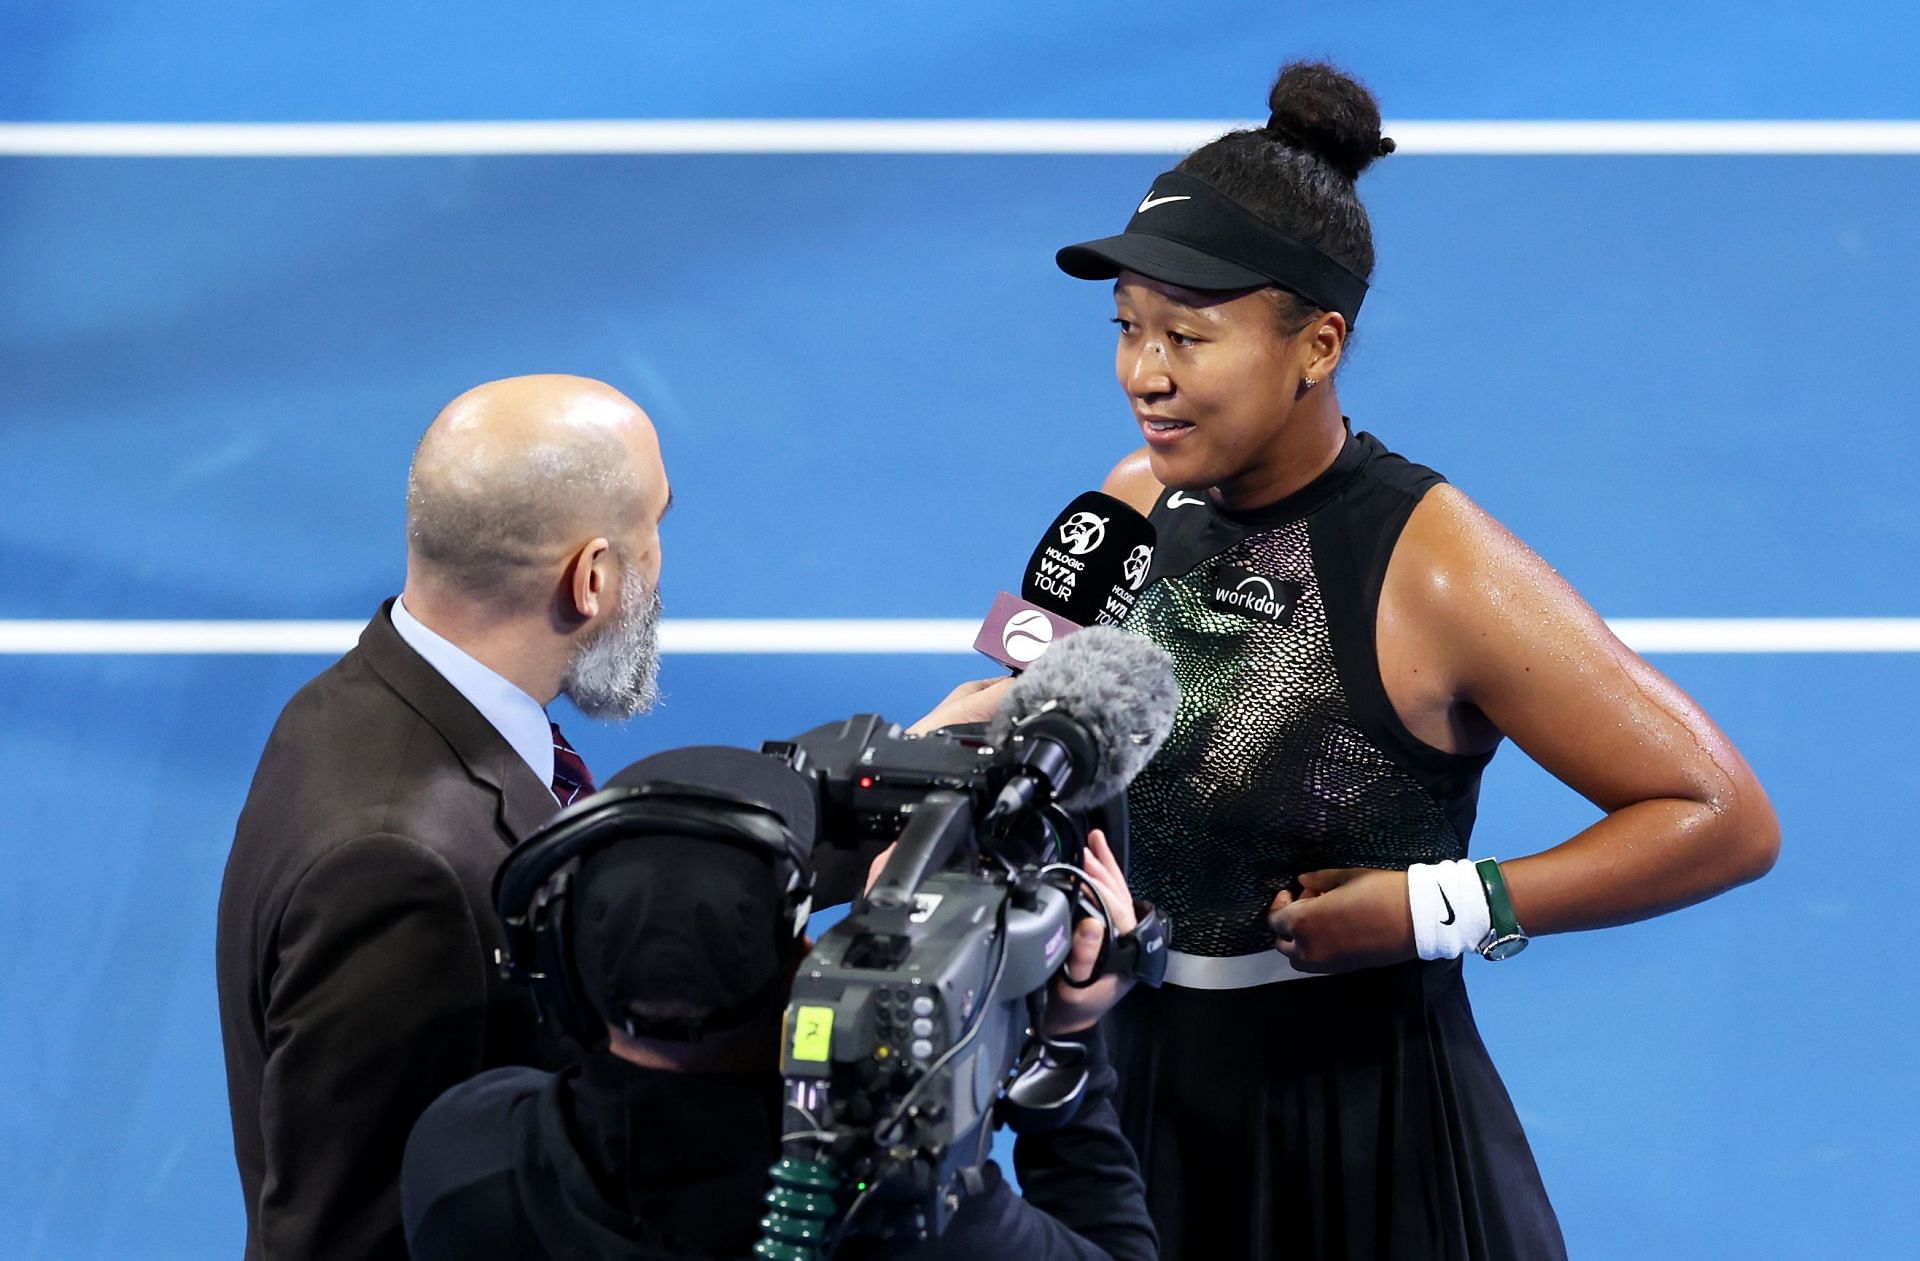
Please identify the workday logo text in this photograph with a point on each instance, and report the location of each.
(1242, 591)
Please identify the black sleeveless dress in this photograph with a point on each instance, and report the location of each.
(1280, 1115)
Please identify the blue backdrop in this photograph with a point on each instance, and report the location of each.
(1689, 382)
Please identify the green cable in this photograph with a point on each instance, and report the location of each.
(801, 1207)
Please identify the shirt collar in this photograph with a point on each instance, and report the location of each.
(518, 718)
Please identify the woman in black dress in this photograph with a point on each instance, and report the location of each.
(1353, 637)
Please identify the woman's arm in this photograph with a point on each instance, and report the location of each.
(976, 700)
(1685, 817)
(1479, 635)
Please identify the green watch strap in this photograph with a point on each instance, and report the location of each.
(1505, 937)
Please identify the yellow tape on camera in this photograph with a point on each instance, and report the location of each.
(813, 1034)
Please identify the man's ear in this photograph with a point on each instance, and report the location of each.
(591, 581)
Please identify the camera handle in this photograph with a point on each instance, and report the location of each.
(938, 824)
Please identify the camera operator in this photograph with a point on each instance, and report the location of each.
(658, 1144)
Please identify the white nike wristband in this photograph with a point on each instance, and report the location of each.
(1449, 906)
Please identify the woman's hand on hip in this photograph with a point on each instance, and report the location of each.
(1343, 919)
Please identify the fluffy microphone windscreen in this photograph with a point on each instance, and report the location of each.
(1118, 686)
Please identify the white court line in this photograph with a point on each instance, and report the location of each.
(924, 136)
(889, 635)
(677, 635)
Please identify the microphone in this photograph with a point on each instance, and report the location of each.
(1087, 570)
(1091, 562)
(1081, 723)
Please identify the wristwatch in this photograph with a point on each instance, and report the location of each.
(1505, 938)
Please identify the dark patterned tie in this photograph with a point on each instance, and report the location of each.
(571, 778)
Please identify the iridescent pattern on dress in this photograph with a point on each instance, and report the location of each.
(1266, 774)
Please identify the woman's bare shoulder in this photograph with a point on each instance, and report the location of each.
(1458, 563)
(1132, 482)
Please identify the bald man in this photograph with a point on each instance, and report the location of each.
(355, 941)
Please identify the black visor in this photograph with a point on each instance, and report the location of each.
(1187, 233)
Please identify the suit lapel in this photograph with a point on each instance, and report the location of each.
(525, 802)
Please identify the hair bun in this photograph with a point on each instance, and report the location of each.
(1330, 114)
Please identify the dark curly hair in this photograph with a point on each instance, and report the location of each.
(1298, 171)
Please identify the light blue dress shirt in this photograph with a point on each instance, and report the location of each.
(516, 716)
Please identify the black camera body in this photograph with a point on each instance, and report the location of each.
(869, 774)
(914, 1016)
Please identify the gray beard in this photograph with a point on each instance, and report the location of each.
(616, 674)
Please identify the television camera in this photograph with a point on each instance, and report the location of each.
(916, 1023)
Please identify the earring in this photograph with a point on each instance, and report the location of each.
(1307, 383)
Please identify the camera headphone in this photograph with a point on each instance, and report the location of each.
(533, 891)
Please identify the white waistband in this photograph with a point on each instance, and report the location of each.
(1234, 972)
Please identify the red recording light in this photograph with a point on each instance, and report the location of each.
(866, 781)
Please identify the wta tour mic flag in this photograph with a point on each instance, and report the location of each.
(1092, 562)
(1089, 567)
(1016, 632)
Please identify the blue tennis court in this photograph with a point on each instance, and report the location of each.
(1689, 380)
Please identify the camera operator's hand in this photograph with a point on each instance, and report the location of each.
(975, 701)
(1072, 1010)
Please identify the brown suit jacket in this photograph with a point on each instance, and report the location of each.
(356, 939)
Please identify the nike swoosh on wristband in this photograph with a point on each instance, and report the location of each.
(1176, 501)
(1449, 905)
(1152, 201)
